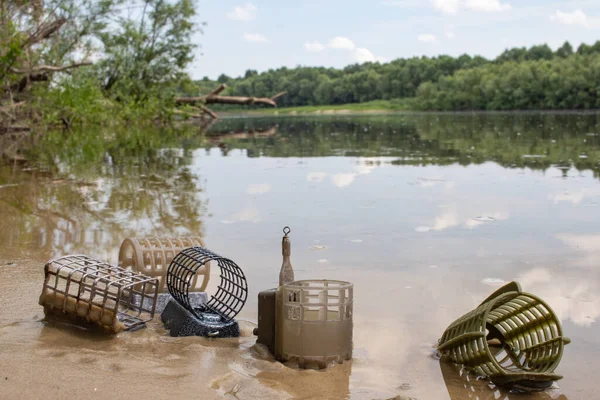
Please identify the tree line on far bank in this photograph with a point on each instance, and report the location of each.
(518, 79)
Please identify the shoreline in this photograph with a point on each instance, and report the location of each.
(293, 112)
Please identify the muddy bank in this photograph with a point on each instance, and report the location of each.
(51, 359)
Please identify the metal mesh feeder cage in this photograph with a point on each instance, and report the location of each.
(215, 317)
(93, 291)
(513, 337)
(314, 326)
(152, 256)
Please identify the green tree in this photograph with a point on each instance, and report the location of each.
(146, 55)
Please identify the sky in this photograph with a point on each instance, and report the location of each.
(268, 34)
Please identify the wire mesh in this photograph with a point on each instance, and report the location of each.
(100, 293)
(528, 335)
(152, 255)
(232, 290)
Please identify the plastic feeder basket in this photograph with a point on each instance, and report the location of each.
(213, 318)
(94, 291)
(315, 322)
(530, 339)
(152, 256)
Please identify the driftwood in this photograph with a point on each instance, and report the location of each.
(214, 97)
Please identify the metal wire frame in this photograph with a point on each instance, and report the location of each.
(99, 292)
(152, 256)
(232, 291)
(530, 334)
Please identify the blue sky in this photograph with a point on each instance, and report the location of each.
(264, 34)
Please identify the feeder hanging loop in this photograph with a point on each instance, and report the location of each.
(286, 274)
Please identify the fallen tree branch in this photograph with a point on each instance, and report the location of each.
(187, 114)
(48, 68)
(45, 30)
(208, 111)
(214, 98)
(218, 90)
(278, 95)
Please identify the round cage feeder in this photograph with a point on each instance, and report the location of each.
(152, 256)
(231, 293)
(513, 337)
(315, 322)
(91, 290)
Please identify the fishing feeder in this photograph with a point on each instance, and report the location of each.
(314, 324)
(90, 290)
(513, 337)
(308, 322)
(215, 317)
(152, 256)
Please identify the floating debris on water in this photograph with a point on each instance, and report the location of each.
(484, 219)
(493, 281)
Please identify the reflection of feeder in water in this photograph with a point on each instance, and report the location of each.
(461, 385)
(213, 318)
(308, 321)
(93, 291)
(513, 337)
(152, 256)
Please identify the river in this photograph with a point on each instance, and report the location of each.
(426, 214)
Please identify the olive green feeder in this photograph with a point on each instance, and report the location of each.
(513, 337)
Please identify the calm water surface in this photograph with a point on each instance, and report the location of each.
(426, 215)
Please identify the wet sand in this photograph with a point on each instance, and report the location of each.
(51, 360)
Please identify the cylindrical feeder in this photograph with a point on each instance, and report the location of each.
(152, 256)
(91, 290)
(513, 337)
(314, 326)
(215, 317)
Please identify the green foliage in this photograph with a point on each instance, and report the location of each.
(142, 48)
(560, 83)
(519, 78)
(145, 56)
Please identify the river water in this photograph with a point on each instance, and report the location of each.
(425, 214)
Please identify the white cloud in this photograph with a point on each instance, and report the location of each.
(572, 297)
(576, 17)
(450, 35)
(487, 5)
(255, 37)
(453, 6)
(362, 55)
(575, 197)
(452, 218)
(446, 6)
(316, 176)
(314, 47)
(341, 42)
(403, 3)
(445, 221)
(427, 38)
(244, 12)
(259, 188)
(343, 180)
